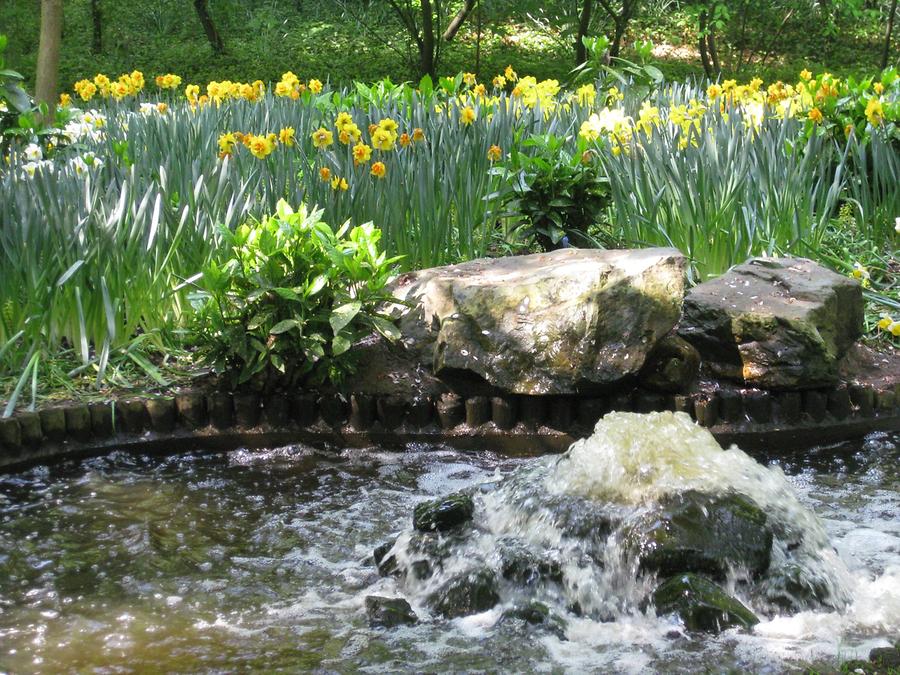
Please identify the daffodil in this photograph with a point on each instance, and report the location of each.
(362, 153)
(467, 115)
(322, 138)
(494, 153)
(378, 170)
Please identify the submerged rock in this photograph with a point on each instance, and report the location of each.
(546, 323)
(775, 322)
(389, 612)
(701, 604)
(538, 614)
(696, 532)
(525, 567)
(470, 593)
(444, 514)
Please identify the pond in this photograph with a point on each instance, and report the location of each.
(262, 560)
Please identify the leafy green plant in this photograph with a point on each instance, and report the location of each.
(291, 296)
(14, 101)
(557, 189)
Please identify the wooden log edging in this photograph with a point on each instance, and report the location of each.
(766, 422)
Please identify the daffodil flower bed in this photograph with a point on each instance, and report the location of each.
(103, 233)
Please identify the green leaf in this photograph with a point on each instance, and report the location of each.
(284, 326)
(343, 315)
(340, 344)
(316, 285)
(386, 328)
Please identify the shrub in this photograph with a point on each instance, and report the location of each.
(291, 296)
(557, 192)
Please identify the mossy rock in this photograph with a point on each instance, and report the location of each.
(537, 614)
(389, 612)
(697, 532)
(525, 567)
(444, 514)
(467, 594)
(701, 604)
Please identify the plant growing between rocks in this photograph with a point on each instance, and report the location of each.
(290, 296)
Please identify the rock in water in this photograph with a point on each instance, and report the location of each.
(441, 515)
(547, 323)
(467, 594)
(694, 532)
(775, 322)
(701, 604)
(389, 612)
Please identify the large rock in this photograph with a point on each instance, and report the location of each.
(696, 532)
(444, 514)
(470, 593)
(775, 322)
(547, 323)
(701, 604)
(389, 612)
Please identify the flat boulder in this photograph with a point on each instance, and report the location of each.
(548, 323)
(775, 322)
(389, 612)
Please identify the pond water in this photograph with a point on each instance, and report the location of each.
(261, 560)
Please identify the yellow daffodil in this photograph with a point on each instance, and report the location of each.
(494, 153)
(338, 183)
(315, 86)
(325, 174)
(467, 115)
(362, 153)
(378, 170)
(815, 115)
(286, 136)
(874, 112)
(322, 138)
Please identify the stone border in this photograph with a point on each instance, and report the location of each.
(757, 420)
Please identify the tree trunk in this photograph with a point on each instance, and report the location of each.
(704, 54)
(48, 53)
(427, 45)
(458, 20)
(97, 19)
(713, 52)
(584, 24)
(215, 40)
(887, 35)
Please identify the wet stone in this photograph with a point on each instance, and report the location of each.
(701, 604)
(758, 406)
(78, 422)
(478, 411)
(53, 423)
(101, 419)
(333, 408)
(533, 410)
(466, 594)
(647, 401)
(839, 403)
(391, 411)
(162, 413)
(682, 403)
(537, 614)
(389, 612)
(706, 411)
(221, 410)
(362, 411)
(131, 416)
(886, 657)
(524, 567)
(673, 366)
(789, 406)
(277, 411)
(886, 400)
(815, 404)
(863, 399)
(10, 435)
(303, 409)
(561, 414)
(441, 515)
(450, 411)
(246, 410)
(420, 413)
(191, 409)
(30, 425)
(503, 412)
(730, 407)
(590, 410)
(706, 534)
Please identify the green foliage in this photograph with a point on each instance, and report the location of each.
(291, 296)
(558, 190)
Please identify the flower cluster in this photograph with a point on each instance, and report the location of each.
(127, 84)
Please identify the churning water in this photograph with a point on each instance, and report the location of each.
(262, 560)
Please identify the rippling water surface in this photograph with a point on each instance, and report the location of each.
(261, 560)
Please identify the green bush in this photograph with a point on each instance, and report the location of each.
(291, 296)
(558, 191)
